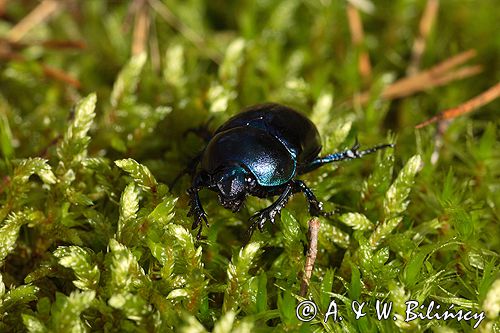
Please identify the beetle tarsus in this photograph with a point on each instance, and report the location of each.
(259, 219)
(198, 234)
(199, 216)
(268, 214)
(315, 206)
(197, 211)
(355, 153)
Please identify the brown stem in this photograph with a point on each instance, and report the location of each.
(311, 255)
(469, 106)
(425, 26)
(357, 37)
(40, 14)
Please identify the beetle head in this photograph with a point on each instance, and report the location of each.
(232, 186)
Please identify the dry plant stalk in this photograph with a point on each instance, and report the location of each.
(40, 14)
(60, 75)
(311, 255)
(469, 106)
(8, 47)
(357, 37)
(7, 52)
(64, 44)
(426, 22)
(3, 4)
(141, 29)
(436, 76)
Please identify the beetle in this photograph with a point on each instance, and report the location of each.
(260, 152)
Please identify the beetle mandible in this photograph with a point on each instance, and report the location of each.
(260, 152)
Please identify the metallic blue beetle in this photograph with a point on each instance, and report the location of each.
(259, 152)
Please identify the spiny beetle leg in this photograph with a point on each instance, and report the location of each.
(315, 206)
(348, 154)
(259, 219)
(197, 212)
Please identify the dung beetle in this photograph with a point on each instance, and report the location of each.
(260, 152)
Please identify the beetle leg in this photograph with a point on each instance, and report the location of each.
(315, 206)
(269, 213)
(196, 209)
(348, 154)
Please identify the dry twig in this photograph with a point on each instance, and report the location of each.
(41, 13)
(425, 26)
(436, 76)
(64, 44)
(38, 15)
(311, 255)
(7, 51)
(469, 106)
(3, 5)
(141, 28)
(7, 46)
(61, 76)
(357, 37)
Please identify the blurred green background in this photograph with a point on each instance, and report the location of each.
(94, 245)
